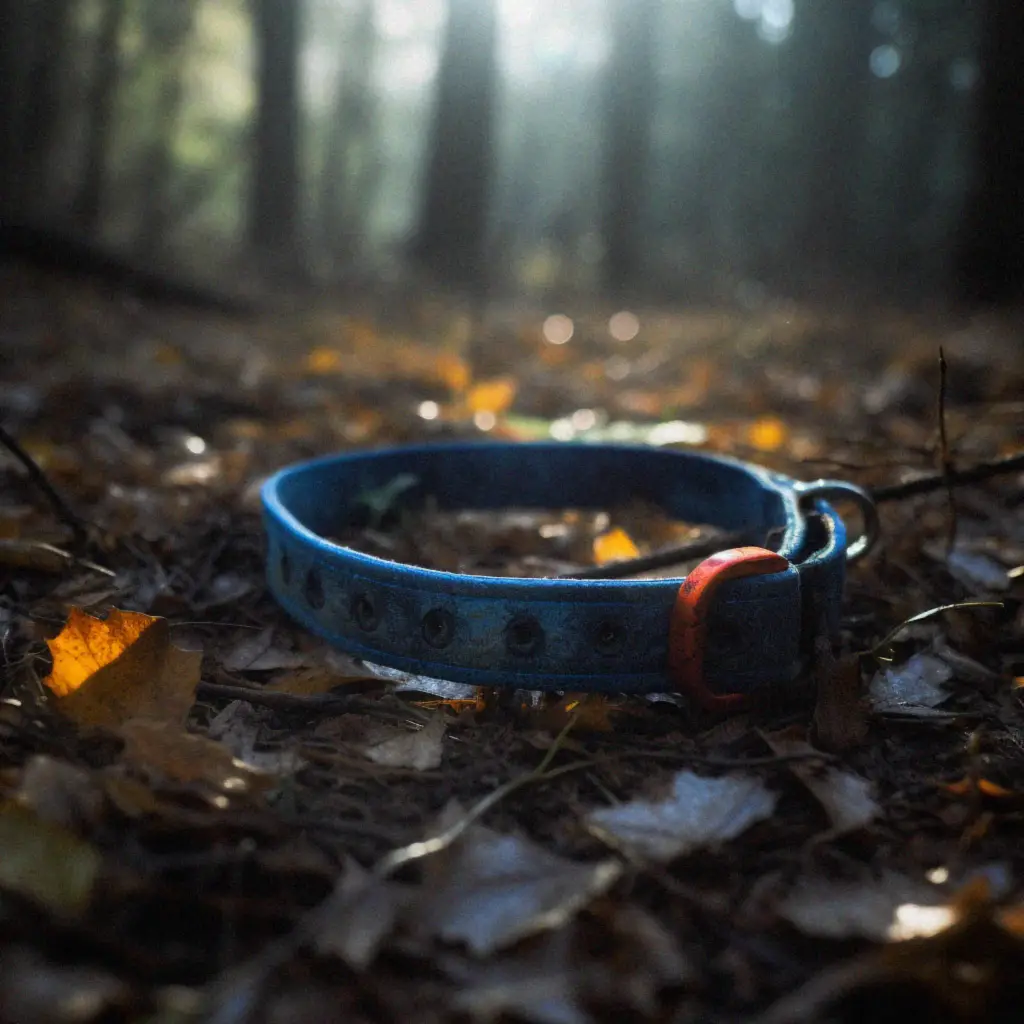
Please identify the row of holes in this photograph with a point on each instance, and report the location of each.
(524, 635)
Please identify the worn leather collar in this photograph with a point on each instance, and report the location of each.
(611, 635)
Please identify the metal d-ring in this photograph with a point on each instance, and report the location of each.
(840, 490)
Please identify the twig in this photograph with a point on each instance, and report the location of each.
(946, 460)
(699, 548)
(934, 481)
(60, 506)
(323, 704)
(390, 863)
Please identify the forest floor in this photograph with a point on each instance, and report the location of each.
(198, 801)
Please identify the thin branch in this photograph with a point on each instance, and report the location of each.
(320, 704)
(699, 548)
(60, 506)
(935, 481)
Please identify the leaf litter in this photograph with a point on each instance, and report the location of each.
(121, 806)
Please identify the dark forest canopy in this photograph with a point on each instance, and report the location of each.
(680, 148)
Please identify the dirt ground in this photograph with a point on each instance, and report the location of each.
(849, 848)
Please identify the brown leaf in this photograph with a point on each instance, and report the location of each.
(106, 672)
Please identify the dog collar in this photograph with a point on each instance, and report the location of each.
(743, 620)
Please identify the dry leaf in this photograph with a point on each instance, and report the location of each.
(421, 750)
(494, 396)
(845, 796)
(698, 812)
(359, 915)
(60, 793)
(46, 863)
(237, 727)
(767, 434)
(106, 672)
(257, 653)
(165, 748)
(889, 907)
(494, 890)
(614, 546)
(919, 683)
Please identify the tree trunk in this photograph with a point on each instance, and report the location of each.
(348, 173)
(169, 31)
(48, 59)
(453, 220)
(99, 114)
(990, 263)
(15, 66)
(832, 46)
(629, 108)
(274, 209)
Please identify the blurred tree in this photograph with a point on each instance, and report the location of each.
(628, 113)
(99, 117)
(831, 76)
(167, 30)
(274, 198)
(350, 168)
(48, 60)
(990, 263)
(453, 218)
(33, 41)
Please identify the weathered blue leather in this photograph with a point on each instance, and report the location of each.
(564, 634)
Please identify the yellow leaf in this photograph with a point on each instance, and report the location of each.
(767, 434)
(494, 396)
(453, 370)
(45, 862)
(614, 546)
(106, 672)
(323, 360)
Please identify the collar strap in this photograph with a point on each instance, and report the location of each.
(741, 621)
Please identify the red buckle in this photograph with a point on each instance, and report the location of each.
(688, 626)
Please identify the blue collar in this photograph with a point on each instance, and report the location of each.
(748, 618)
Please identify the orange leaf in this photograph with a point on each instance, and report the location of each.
(964, 787)
(323, 360)
(494, 396)
(767, 434)
(453, 370)
(614, 546)
(106, 672)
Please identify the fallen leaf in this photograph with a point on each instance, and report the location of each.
(185, 757)
(918, 683)
(493, 396)
(421, 750)
(888, 907)
(699, 812)
(983, 787)
(33, 988)
(846, 797)
(767, 434)
(106, 672)
(257, 653)
(237, 729)
(976, 571)
(614, 546)
(492, 890)
(359, 915)
(540, 985)
(45, 862)
(59, 793)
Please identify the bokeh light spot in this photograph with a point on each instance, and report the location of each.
(558, 329)
(624, 326)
